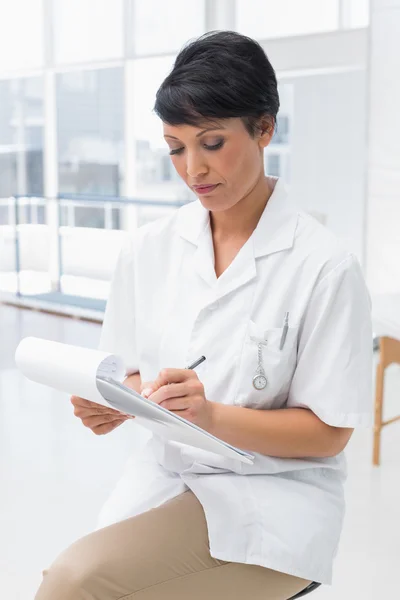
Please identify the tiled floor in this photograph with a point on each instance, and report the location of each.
(55, 475)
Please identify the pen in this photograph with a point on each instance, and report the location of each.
(192, 366)
(197, 362)
(284, 332)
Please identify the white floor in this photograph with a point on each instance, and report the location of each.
(55, 475)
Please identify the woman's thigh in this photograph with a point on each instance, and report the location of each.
(160, 554)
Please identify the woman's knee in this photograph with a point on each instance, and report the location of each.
(70, 575)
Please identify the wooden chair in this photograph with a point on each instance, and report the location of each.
(386, 320)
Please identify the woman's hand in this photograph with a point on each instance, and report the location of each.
(181, 391)
(147, 388)
(100, 419)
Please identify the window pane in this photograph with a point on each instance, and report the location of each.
(264, 19)
(277, 154)
(85, 30)
(160, 26)
(155, 174)
(31, 211)
(116, 218)
(274, 165)
(5, 213)
(21, 34)
(21, 136)
(358, 13)
(281, 135)
(89, 216)
(90, 131)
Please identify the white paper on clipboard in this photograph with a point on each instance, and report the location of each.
(97, 376)
(165, 423)
(67, 368)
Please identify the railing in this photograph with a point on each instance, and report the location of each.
(68, 220)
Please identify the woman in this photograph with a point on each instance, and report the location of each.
(281, 312)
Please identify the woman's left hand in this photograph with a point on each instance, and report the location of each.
(181, 391)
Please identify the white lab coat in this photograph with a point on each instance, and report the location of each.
(167, 307)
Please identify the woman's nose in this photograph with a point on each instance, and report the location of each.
(195, 166)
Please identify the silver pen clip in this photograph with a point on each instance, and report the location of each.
(284, 332)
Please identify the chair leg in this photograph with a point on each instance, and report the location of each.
(380, 377)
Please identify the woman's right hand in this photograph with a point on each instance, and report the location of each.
(147, 388)
(100, 419)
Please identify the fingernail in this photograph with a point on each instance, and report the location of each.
(147, 392)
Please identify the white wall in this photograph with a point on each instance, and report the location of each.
(329, 151)
(336, 50)
(383, 250)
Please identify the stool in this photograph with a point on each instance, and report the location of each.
(386, 322)
(310, 588)
(389, 354)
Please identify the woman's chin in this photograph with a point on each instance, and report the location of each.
(212, 204)
(215, 204)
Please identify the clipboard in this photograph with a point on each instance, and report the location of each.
(163, 422)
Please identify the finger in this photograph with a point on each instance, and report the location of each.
(174, 376)
(96, 421)
(147, 388)
(77, 401)
(166, 392)
(106, 427)
(147, 392)
(176, 404)
(81, 412)
(147, 384)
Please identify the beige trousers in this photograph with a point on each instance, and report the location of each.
(162, 554)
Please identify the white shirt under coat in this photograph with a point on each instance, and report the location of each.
(167, 307)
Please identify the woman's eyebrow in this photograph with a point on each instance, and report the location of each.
(198, 135)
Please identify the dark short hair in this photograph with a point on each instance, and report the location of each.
(221, 74)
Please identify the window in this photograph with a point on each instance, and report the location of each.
(264, 19)
(90, 136)
(155, 175)
(356, 13)
(21, 34)
(274, 165)
(281, 135)
(87, 30)
(159, 26)
(5, 212)
(277, 154)
(21, 137)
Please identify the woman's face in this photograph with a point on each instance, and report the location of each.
(220, 162)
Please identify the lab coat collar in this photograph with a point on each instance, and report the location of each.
(277, 226)
(275, 231)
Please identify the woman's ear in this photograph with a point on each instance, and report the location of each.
(266, 131)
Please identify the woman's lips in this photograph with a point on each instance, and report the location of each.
(204, 189)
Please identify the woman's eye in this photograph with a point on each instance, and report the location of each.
(206, 146)
(175, 151)
(214, 146)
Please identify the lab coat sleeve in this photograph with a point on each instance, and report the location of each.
(118, 334)
(333, 376)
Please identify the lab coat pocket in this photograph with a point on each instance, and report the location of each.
(278, 364)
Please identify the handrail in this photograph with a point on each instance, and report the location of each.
(121, 201)
(106, 199)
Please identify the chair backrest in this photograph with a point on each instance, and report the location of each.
(310, 588)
